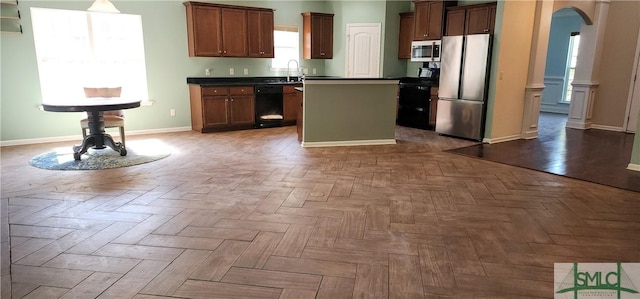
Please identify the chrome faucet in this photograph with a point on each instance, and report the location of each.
(289, 69)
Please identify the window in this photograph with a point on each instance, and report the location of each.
(572, 58)
(286, 44)
(77, 49)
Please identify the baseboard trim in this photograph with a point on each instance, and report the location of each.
(557, 109)
(607, 128)
(634, 167)
(502, 139)
(78, 137)
(578, 125)
(349, 143)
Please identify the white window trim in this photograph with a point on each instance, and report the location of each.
(568, 68)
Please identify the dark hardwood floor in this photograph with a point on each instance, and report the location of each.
(591, 155)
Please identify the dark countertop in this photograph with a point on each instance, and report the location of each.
(231, 81)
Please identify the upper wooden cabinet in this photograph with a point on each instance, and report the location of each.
(406, 35)
(471, 19)
(317, 31)
(455, 20)
(260, 33)
(223, 30)
(428, 18)
(481, 19)
(234, 32)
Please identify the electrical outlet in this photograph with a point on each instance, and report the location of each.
(207, 72)
(314, 71)
(231, 71)
(172, 112)
(305, 70)
(246, 71)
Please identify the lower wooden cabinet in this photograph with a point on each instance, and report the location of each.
(433, 107)
(291, 103)
(299, 119)
(218, 108)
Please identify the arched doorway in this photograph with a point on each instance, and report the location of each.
(561, 61)
(538, 58)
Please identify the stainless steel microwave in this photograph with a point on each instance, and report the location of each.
(428, 50)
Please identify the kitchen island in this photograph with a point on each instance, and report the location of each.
(349, 111)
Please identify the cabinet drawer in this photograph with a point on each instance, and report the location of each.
(215, 91)
(290, 88)
(238, 90)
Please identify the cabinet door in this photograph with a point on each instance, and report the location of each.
(433, 106)
(266, 21)
(241, 111)
(234, 32)
(317, 33)
(316, 36)
(406, 35)
(290, 106)
(214, 111)
(478, 20)
(299, 117)
(421, 21)
(455, 22)
(203, 25)
(327, 37)
(260, 32)
(434, 28)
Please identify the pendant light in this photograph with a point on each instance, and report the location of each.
(103, 6)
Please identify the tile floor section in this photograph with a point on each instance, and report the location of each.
(251, 214)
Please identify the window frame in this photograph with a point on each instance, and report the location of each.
(568, 78)
(98, 36)
(285, 28)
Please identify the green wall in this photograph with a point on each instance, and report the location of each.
(392, 66)
(346, 12)
(167, 61)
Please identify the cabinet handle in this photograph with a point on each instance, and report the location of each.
(219, 52)
(232, 99)
(225, 52)
(486, 30)
(226, 100)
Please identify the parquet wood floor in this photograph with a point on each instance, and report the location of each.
(251, 214)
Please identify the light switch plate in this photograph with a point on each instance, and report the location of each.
(231, 71)
(246, 71)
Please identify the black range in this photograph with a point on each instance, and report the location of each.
(417, 102)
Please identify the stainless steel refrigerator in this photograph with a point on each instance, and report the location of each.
(464, 79)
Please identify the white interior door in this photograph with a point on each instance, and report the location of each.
(633, 111)
(363, 50)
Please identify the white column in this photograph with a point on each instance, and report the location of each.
(585, 83)
(537, 63)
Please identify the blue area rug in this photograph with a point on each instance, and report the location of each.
(62, 158)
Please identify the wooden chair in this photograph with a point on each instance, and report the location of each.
(112, 119)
